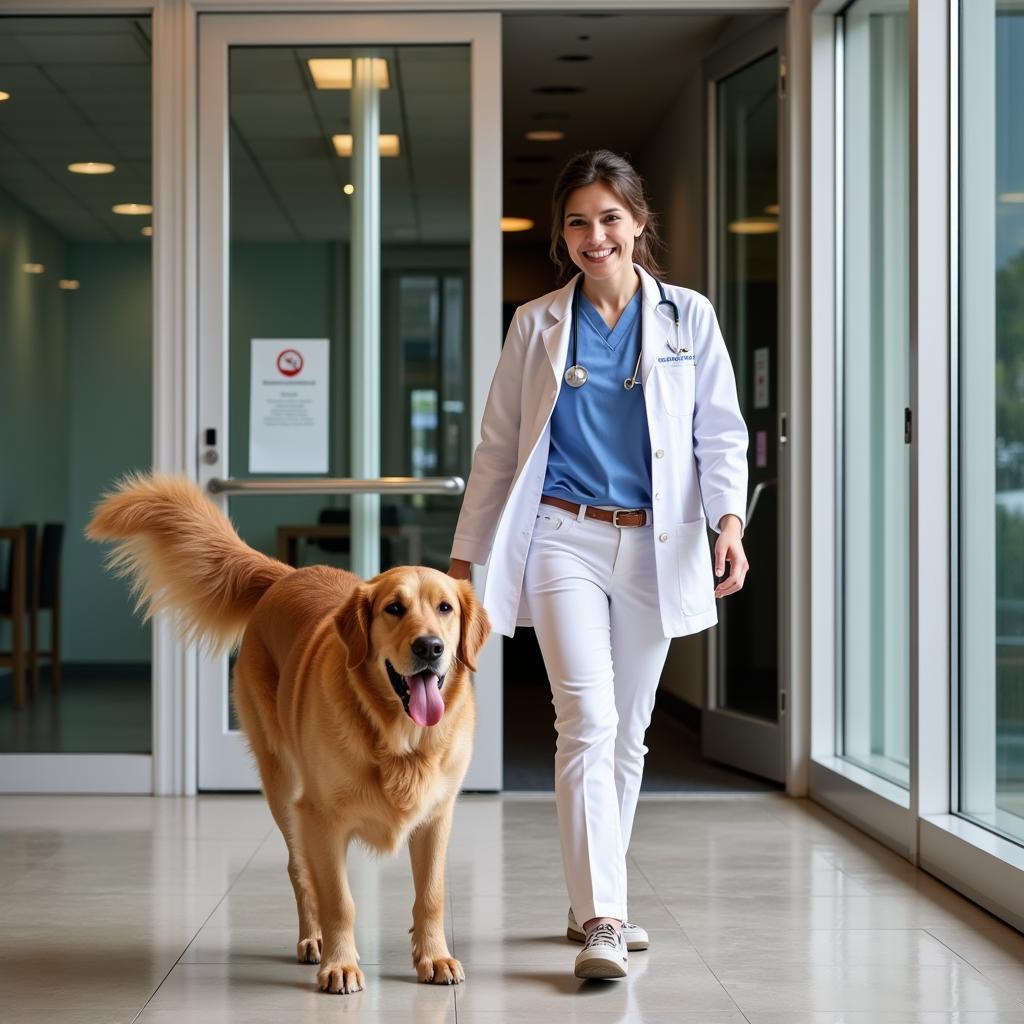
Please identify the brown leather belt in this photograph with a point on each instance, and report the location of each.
(617, 517)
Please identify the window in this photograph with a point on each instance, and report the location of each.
(873, 390)
(991, 420)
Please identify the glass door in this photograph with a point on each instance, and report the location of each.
(744, 716)
(349, 238)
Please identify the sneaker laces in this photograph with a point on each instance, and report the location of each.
(603, 935)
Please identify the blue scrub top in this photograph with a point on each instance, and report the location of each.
(600, 446)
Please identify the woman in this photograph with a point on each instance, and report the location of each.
(611, 430)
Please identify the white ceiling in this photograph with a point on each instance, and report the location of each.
(81, 91)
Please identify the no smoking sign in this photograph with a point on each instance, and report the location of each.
(290, 362)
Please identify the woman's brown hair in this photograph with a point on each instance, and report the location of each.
(601, 165)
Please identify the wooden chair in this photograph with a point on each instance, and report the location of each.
(45, 596)
(14, 604)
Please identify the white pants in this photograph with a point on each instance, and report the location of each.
(593, 597)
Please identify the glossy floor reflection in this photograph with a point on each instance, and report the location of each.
(760, 908)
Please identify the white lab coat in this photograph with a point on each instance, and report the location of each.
(698, 452)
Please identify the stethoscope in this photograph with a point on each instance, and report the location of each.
(576, 376)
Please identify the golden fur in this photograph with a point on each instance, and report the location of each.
(339, 755)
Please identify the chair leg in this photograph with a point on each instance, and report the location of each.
(55, 643)
(17, 658)
(33, 648)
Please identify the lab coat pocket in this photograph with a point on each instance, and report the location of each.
(696, 578)
(676, 382)
(553, 520)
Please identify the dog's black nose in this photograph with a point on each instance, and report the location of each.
(428, 647)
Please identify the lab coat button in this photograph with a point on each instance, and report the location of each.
(660, 453)
(663, 537)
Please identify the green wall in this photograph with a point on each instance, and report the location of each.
(75, 410)
(110, 418)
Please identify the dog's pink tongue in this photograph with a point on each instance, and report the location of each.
(425, 704)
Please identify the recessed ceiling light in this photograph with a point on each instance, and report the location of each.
(132, 209)
(516, 223)
(336, 72)
(559, 90)
(754, 226)
(4, 96)
(772, 209)
(69, 284)
(545, 135)
(349, 189)
(147, 231)
(1011, 197)
(388, 145)
(33, 268)
(91, 167)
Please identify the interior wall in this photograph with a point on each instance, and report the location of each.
(33, 368)
(110, 412)
(673, 165)
(33, 376)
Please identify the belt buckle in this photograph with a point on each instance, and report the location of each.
(624, 511)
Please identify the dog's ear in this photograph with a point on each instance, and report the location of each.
(353, 625)
(476, 626)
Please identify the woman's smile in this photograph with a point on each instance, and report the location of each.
(600, 233)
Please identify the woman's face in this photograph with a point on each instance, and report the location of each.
(599, 231)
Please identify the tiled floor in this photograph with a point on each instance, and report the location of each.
(761, 909)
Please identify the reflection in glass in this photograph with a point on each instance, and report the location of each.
(874, 389)
(991, 420)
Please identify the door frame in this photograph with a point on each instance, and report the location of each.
(224, 761)
(743, 741)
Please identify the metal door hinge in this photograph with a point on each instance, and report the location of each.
(783, 428)
(782, 76)
(908, 425)
(782, 702)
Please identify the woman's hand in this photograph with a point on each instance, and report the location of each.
(729, 548)
(460, 569)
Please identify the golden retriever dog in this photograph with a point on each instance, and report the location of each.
(355, 698)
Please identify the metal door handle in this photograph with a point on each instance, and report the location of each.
(759, 489)
(339, 485)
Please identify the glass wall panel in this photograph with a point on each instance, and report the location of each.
(291, 199)
(75, 371)
(991, 417)
(873, 390)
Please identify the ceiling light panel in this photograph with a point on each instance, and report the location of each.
(389, 145)
(91, 167)
(336, 72)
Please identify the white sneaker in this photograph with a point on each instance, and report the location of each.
(603, 954)
(635, 936)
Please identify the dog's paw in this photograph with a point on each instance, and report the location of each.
(340, 978)
(444, 970)
(308, 950)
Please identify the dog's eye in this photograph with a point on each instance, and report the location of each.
(395, 608)
(444, 606)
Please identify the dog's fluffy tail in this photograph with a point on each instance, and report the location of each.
(183, 555)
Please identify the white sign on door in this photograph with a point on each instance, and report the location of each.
(288, 412)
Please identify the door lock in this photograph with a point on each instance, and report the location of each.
(210, 456)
